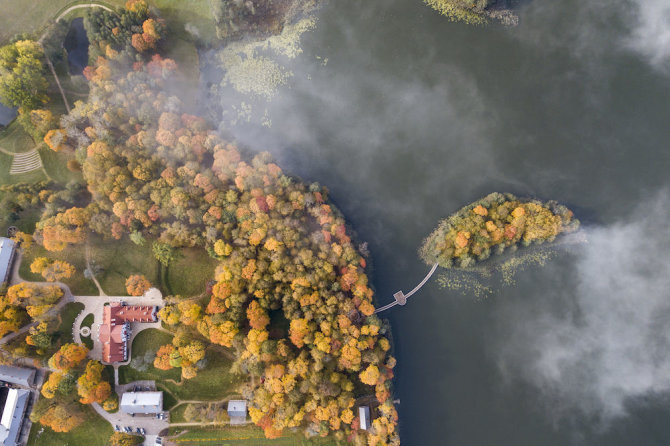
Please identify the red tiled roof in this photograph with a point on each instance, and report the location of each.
(113, 334)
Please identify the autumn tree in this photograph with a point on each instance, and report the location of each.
(39, 336)
(163, 355)
(164, 253)
(137, 285)
(90, 385)
(56, 139)
(68, 357)
(124, 439)
(52, 271)
(64, 228)
(22, 75)
(39, 264)
(62, 418)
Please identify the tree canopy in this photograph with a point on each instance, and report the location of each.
(22, 81)
(290, 297)
(492, 224)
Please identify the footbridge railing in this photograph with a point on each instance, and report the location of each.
(401, 298)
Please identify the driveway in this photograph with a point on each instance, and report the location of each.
(150, 423)
(95, 304)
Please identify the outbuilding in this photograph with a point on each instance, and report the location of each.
(364, 415)
(7, 251)
(13, 403)
(237, 411)
(142, 402)
(17, 375)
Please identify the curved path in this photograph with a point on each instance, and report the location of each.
(85, 5)
(401, 298)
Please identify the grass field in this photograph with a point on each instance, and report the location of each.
(31, 17)
(67, 315)
(119, 259)
(14, 139)
(189, 274)
(243, 435)
(213, 383)
(148, 340)
(75, 255)
(87, 322)
(6, 178)
(55, 165)
(95, 431)
(25, 222)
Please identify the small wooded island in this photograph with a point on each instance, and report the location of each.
(493, 224)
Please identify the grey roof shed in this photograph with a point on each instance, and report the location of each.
(237, 411)
(17, 375)
(7, 250)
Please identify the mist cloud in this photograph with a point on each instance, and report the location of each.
(651, 34)
(594, 30)
(606, 343)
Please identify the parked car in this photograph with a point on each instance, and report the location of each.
(159, 441)
(128, 429)
(138, 430)
(143, 431)
(117, 428)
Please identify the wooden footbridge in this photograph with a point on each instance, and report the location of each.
(401, 298)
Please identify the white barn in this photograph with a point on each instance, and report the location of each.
(7, 251)
(17, 375)
(13, 411)
(142, 402)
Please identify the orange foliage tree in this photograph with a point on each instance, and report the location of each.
(91, 387)
(137, 285)
(68, 357)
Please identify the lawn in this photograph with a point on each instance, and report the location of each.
(213, 383)
(6, 178)
(74, 254)
(189, 274)
(87, 322)
(95, 431)
(55, 165)
(25, 222)
(177, 415)
(195, 13)
(14, 139)
(244, 435)
(67, 316)
(31, 17)
(148, 340)
(120, 259)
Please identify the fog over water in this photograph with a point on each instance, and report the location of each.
(413, 117)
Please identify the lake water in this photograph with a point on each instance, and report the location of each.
(76, 44)
(7, 115)
(413, 117)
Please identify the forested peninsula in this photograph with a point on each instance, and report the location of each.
(290, 299)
